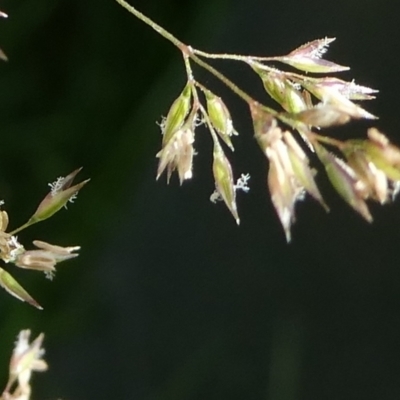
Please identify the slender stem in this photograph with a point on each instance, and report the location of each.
(324, 139)
(22, 227)
(236, 89)
(210, 126)
(246, 97)
(201, 87)
(252, 60)
(235, 57)
(188, 67)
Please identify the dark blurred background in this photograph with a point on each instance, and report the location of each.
(169, 299)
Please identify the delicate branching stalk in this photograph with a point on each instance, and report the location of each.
(46, 256)
(308, 100)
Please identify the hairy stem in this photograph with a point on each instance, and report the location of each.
(22, 227)
(234, 57)
(312, 136)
